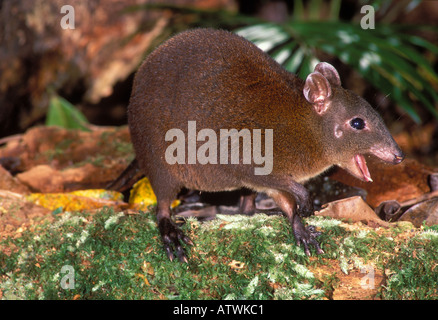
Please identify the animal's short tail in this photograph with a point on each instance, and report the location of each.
(127, 178)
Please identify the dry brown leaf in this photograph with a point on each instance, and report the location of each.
(351, 209)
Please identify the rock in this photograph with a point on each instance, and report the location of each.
(42, 178)
(8, 182)
(45, 179)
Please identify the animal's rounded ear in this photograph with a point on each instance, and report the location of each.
(329, 72)
(317, 91)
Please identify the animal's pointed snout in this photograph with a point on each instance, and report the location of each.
(398, 157)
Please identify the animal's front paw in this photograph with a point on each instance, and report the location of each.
(173, 238)
(306, 236)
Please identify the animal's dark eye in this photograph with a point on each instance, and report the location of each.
(357, 123)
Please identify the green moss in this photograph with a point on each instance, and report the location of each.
(113, 256)
(413, 270)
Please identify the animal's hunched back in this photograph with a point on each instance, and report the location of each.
(214, 79)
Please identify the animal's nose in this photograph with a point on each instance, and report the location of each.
(399, 157)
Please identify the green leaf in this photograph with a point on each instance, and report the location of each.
(284, 53)
(295, 60)
(63, 114)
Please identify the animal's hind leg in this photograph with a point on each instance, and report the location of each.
(166, 190)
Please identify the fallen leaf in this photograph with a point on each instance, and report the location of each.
(77, 200)
(354, 209)
(401, 182)
(143, 196)
(142, 276)
(148, 268)
(424, 212)
(99, 194)
(236, 265)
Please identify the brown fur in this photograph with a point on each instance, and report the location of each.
(223, 81)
